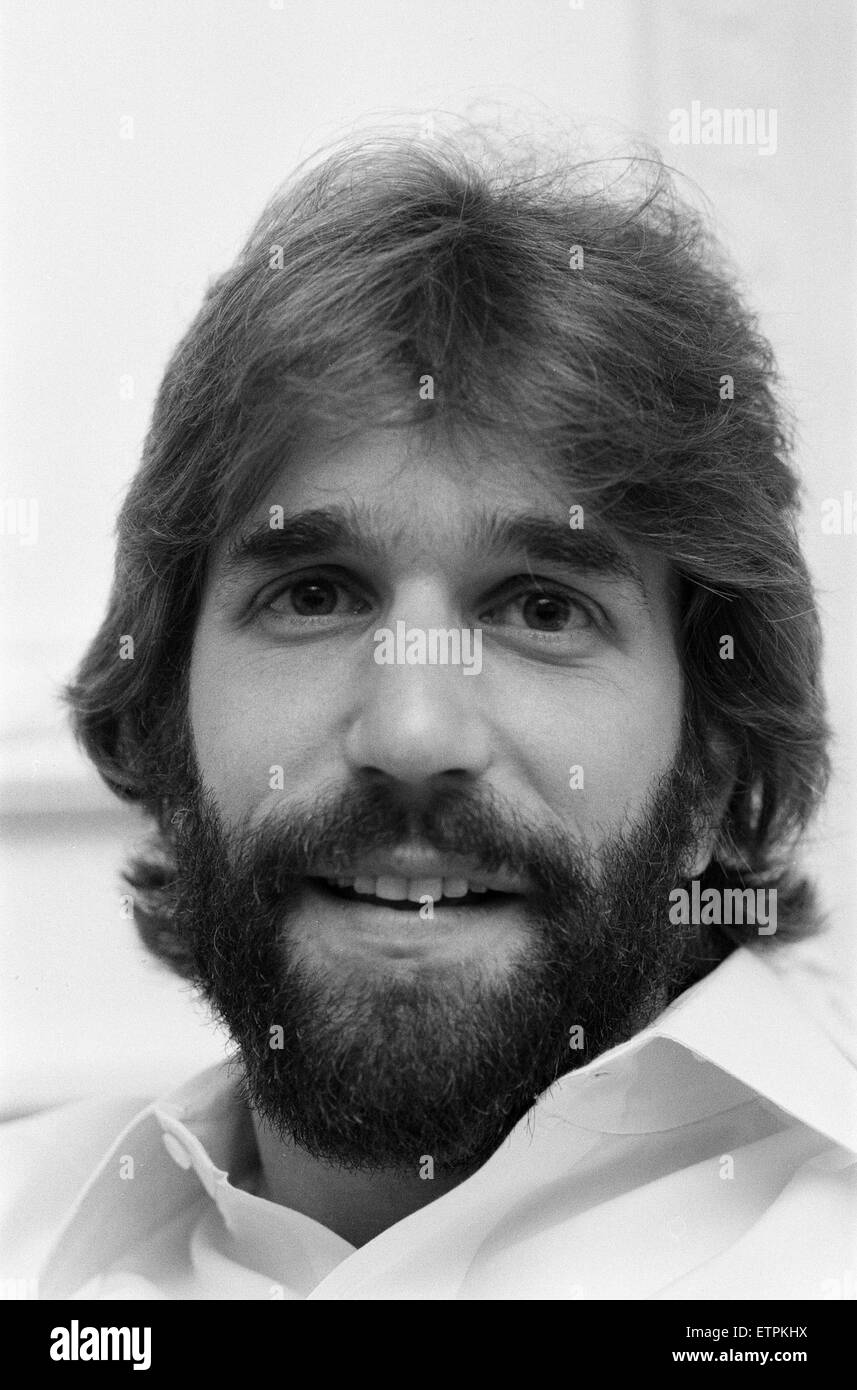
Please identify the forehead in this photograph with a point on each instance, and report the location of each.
(417, 497)
(400, 470)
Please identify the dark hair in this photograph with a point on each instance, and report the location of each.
(394, 259)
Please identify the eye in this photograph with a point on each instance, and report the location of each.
(310, 597)
(540, 609)
(313, 598)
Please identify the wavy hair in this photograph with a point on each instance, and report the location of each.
(583, 310)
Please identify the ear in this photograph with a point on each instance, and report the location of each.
(699, 855)
(722, 762)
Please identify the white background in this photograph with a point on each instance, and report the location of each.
(108, 244)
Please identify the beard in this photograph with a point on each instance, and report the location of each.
(372, 1072)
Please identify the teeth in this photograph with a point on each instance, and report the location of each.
(391, 888)
(395, 889)
(425, 888)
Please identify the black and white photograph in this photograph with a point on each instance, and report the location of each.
(428, 533)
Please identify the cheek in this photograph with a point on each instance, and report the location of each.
(594, 748)
(632, 744)
(259, 725)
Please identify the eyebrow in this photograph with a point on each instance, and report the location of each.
(322, 530)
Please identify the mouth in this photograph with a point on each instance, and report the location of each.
(411, 910)
(405, 895)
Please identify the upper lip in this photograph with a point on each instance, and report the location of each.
(414, 864)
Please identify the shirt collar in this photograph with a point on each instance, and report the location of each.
(734, 1037)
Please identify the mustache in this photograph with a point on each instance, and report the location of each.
(340, 826)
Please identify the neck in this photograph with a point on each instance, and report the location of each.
(354, 1205)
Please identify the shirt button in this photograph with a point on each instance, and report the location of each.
(176, 1150)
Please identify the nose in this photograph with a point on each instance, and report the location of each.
(420, 725)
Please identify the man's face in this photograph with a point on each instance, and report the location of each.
(455, 842)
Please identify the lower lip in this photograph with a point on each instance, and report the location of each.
(350, 925)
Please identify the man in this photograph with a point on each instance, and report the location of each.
(462, 651)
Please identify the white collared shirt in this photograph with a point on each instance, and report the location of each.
(714, 1155)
